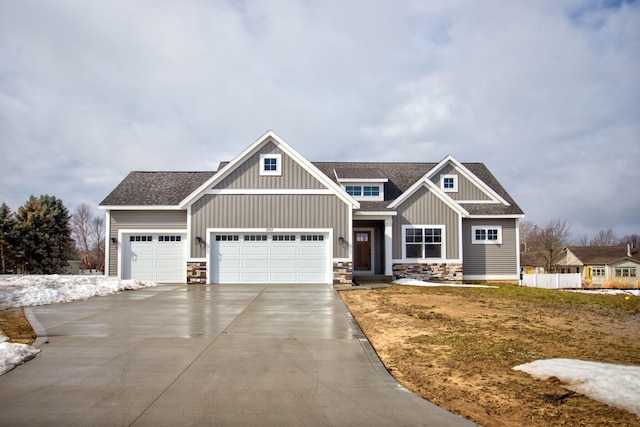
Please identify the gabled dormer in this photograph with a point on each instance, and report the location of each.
(363, 184)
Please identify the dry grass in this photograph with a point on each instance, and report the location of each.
(14, 325)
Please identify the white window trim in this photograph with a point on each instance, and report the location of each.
(455, 183)
(486, 227)
(443, 250)
(361, 184)
(278, 158)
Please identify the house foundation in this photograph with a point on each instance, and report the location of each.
(451, 273)
(342, 273)
(196, 272)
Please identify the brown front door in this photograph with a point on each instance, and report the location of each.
(362, 251)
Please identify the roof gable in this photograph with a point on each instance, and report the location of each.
(602, 254)
(435, 190)
(269, 137)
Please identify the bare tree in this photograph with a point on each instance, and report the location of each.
(634, 239)
(527, 232)
(97, 236)
(549, 240)
(604, 238)
(82, 233)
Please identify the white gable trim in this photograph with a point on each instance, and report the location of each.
(141, 208)
(469, 175)
(424, 182)
(282, 145)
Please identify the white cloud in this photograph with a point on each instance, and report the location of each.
(542, 92)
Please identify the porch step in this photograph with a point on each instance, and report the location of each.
(372, 278)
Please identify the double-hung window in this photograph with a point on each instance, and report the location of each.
(422, 242)
(486, 235)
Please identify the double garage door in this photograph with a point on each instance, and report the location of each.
(269, 258)
(158, 258)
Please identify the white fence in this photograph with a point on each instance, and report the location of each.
(552, 281)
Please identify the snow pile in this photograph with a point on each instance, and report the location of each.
(634, 292)
(414, 282)
(614, 385)
(12, 355)
(22, 291)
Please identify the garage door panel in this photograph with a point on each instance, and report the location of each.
(148, 257)
(281, 258)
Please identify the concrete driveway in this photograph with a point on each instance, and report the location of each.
(285, 355)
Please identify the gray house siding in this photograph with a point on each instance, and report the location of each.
(247, 175)
(424, 208)
(466, 189)
(270, 211)
(141, 220)
(490, 259)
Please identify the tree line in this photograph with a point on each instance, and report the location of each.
(41, 237)
(549, 239)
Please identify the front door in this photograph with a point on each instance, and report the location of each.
(362, 250)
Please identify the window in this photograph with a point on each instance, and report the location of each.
(140, 238)
(227, 238)
(597, 271)
(625, 272)
(312, 237)
(449, 183)
(486, 235)
(371, 191)
(283, 238)
(424, 242)
(270, 164)
(169, 238)
(354, 190)
(255, 238)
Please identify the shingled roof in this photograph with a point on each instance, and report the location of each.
(403, 175)
(590, 255)
(155, 188)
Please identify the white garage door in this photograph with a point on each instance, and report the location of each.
(155, 257)
(269, 258)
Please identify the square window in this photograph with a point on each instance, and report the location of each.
(371, 191)
(354, 190)
(271, 164)
(449, 183)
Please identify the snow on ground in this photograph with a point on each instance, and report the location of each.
(614, 385)
(23, 291)
(634, 292)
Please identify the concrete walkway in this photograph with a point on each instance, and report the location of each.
(274, 355)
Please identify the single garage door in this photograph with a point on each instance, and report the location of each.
(269, 258)
(155, 257)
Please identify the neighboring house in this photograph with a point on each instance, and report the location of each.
(532, 263)
(601, 266)
(271, 216)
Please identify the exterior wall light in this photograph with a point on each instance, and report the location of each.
(114, 240)
(341, 240)
(199, 240)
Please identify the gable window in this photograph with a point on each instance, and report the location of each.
(271, 164)
(423, 241)
(486, 235)
(449, 183)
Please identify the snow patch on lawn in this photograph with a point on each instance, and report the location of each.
(614, 385)
(24, 291)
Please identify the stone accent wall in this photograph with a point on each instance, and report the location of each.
(196, 272)
(342, 273)
(429, 272)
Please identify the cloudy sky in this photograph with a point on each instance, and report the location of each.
(545, 93)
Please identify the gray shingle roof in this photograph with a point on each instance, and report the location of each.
(360, 173)
(403, 175)
(155, 188)
(602, 254)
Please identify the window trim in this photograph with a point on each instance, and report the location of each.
(486, 228)
(454, 189)
(277, 171)
(443, 243)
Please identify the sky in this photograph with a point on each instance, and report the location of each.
(545, 93)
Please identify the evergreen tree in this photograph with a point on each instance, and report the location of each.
(44, 242)
(7, 239)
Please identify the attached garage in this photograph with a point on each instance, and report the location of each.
(159, 258)
(284, 257)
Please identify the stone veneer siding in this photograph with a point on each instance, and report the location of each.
(342, 273)
(196, 272)
(438, 272)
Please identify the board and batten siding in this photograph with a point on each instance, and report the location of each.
(141, 220)
(270, 211)
(490, 259)
(467, 190)
(247, 175)
(424, 208)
